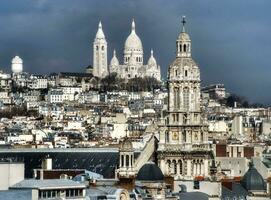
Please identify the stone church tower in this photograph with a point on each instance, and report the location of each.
(183, 150)
(100, 68)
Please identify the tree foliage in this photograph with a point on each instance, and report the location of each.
(113, 82)
(240, 100)
(16, 111)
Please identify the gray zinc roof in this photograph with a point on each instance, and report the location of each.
(47, 184)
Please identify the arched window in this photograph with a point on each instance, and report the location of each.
(186, 98)
(184, 136)
(180, 48)
(102, 47)
(174, 166)
(131, 159)
(167, 137)
(184, 47)
(127, 161)
(201, 137)
(97, 47)
(180, 166)
(185, 73)
(122, 160)
(168, 166)
(176, 98)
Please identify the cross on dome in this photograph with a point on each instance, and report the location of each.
(183, 22)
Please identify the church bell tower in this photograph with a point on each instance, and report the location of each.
(183, 150)
(100, 68)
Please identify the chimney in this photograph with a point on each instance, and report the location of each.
(47, 163)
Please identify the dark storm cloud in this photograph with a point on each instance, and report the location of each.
(231, 39)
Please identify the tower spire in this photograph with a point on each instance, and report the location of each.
(183, 22)
(114, 52)
(100, 33)
(133, 25)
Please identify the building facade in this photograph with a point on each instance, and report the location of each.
(183, 148)
(133, 56)
(100, 68)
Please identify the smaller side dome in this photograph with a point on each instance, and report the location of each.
(252, 180)
(126, 145)
(150, 172)
(114, 61)
(152, 60)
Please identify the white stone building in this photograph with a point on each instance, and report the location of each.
(38, 82)
(11, 173)
(133, 54)
(100, 68)
(17, 65)
(55, 96)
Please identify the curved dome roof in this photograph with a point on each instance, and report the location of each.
(152, 60)
(252, 180)
(184, 36)
(17, 60)
(126, 145)
(150, 172)
(114, 61)
(133, 42)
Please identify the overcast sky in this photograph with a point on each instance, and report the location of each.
(231, 40)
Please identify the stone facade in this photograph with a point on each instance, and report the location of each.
(133, 55)
(183, 147)
(100, 68)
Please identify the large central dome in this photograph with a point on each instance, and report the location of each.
(133, 42)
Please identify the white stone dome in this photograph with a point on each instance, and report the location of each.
(184, 37)
(133, 42)
(152, 60)
(114, 61)
(17, 65)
